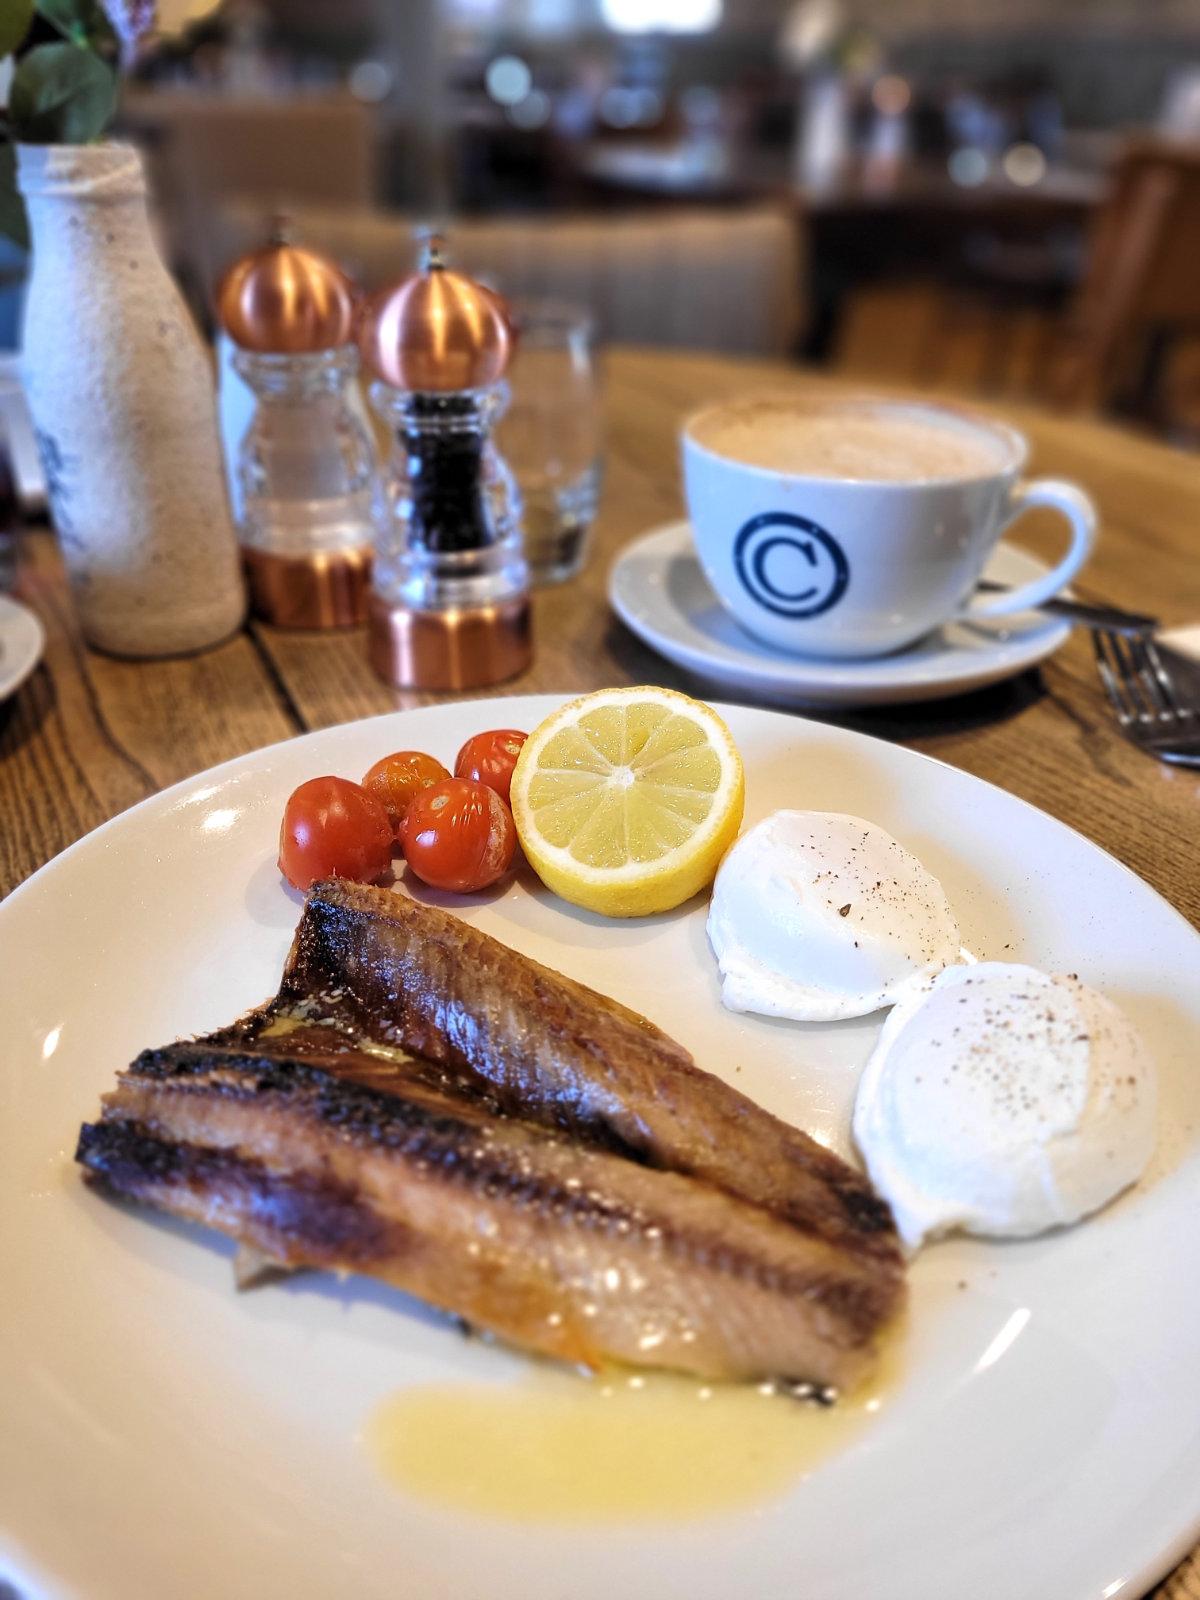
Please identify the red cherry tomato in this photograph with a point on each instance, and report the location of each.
(458, 835)
(398, 777)
(332, 828)
(490, 758)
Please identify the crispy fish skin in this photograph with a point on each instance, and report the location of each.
(399, 973)
(562, 1248)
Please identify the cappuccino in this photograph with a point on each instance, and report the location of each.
(864, 441)
(848, 528)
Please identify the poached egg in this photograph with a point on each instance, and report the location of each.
(816, 915)
(1004, 1102)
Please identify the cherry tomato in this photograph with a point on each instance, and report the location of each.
(398, 777)
(332, 828)
(458, 835)
(490, 758)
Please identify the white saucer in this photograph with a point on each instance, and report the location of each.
(21, 644)
(658, 589)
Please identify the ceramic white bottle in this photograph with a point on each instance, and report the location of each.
(122, 396)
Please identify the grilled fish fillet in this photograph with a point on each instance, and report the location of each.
(568, 1250)
(422, 1104)
(388, 970)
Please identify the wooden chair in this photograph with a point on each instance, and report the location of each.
(1141, 286)
(206, 148)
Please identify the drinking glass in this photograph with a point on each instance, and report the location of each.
(550, 435)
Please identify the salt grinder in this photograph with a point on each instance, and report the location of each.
(449, 603)
(307, 462)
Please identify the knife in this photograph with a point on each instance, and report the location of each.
(1091, 616)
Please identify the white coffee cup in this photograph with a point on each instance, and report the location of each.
(839, 562)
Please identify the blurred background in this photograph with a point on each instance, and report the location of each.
(995, 197)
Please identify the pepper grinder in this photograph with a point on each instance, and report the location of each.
(449, 603)
(306, 464)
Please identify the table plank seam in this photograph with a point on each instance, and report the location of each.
(61, 615)
(288, 703)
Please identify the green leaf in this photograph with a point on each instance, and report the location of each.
(81, 21)
(61, 94)
(13, 222)
(15, 17)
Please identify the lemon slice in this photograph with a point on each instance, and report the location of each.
(626, 800)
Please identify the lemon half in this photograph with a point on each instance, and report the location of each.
(626, 800)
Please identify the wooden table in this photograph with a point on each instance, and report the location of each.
(87, 736)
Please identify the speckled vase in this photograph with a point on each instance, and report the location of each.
(122, 396)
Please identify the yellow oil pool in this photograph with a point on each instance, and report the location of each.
(561, 1448)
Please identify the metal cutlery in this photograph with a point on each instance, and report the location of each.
(1110, 618)
(1157, 701)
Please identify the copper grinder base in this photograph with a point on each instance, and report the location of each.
(323, 589)
(455, 648)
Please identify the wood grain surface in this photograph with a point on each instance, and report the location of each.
(87, 736)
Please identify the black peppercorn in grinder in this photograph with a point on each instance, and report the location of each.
(449, 607)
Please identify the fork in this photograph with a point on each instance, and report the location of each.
(1157, 710)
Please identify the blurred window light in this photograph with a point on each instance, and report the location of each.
(1024, 164)
(527, 16)
(551, 16)
(891, 95)
(968, 167)
(370, 81)
(532, 112)
(508, 80)
(665, 16)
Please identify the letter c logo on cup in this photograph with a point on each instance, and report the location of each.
(789, 565)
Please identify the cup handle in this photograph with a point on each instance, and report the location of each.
(1080, 514)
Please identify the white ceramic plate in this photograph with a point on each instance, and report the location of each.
(164, 1436)
(658, 589)
(21, 643)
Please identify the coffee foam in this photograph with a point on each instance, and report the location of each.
(860, 440)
